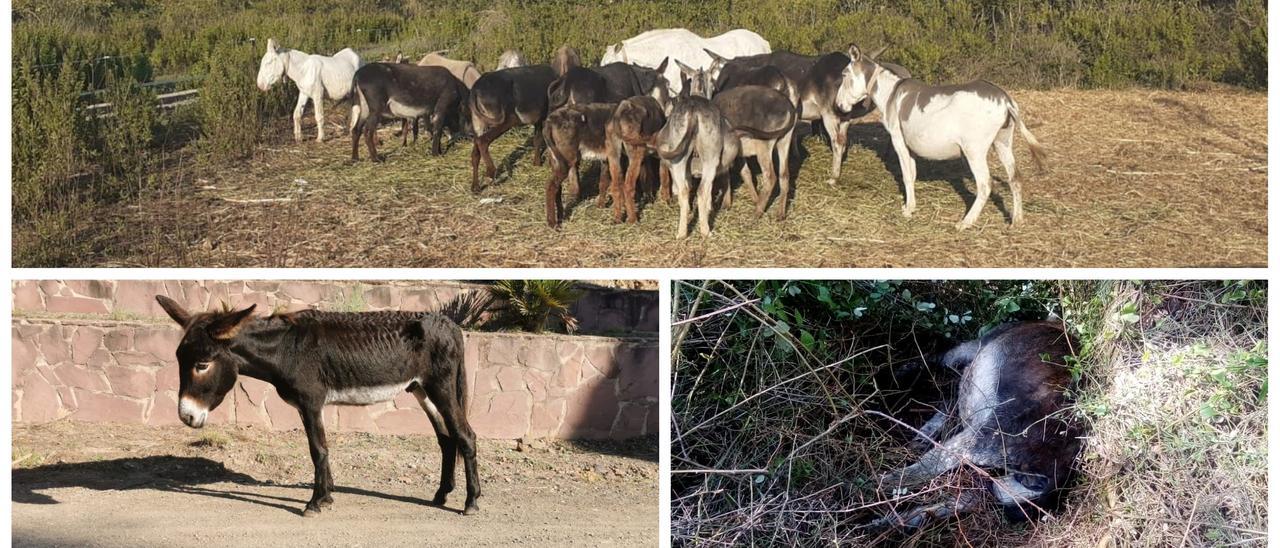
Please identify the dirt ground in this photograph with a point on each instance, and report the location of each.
(1137, 178)
(83, 484)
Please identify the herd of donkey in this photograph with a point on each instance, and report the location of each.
(703, 106)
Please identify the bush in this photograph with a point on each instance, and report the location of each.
(125, 136)
(232, 107)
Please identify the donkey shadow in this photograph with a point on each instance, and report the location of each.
(954, 172)
(189, 475)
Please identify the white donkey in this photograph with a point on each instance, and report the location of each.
(317, 77)
(942, 123)
(650, 48)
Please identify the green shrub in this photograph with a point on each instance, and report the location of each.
(231, 105)
(125, 136)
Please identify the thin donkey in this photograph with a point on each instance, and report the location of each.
(696, 133)
(1013, 413)
(317, 358)
(942, 123)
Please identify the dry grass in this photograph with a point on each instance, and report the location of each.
(784, 452)
(1138, 179)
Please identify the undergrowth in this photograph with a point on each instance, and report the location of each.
(777, 386)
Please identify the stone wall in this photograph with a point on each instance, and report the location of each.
(98, 351)
(600, 310)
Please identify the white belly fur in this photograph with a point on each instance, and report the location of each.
(366, 395)
(405, 111)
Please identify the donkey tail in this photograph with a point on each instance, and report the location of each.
(556, 95)
(486, 107)
(460, 379)
(682, 147)
(1038, 154)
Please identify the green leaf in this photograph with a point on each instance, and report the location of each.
(806, 339)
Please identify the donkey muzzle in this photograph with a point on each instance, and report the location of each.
(192, 414)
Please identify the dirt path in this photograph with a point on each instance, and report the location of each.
(1137, 178)
(79, 484)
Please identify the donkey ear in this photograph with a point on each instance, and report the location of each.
(662, 67)
(174, 310)
(855, 54)
(713, 56)
(876, 54)
(271, 44)
(227, 325)
(684, 68)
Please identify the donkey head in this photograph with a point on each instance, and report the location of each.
(273, 65)
(696, 82)
(661, 91)
(207, 368)
(717, 65)
(565, 58)
(857, 79)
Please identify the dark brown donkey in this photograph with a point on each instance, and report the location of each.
(501, 100)
(317, 358)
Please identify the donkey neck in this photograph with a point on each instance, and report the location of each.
(259, 345)
(293, 61)
(882, 88)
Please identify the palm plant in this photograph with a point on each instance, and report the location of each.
(530, 304)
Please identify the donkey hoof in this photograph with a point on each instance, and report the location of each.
(907, 211)
(831, 181)
(311, 511)
(963, 225)
(471, 509)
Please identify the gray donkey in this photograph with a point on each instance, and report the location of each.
(696, 134)
(1013, 402)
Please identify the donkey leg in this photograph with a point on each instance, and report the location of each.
(448, 447)
(664, 181)
(559, 172)
(447, 402)
(680, 182)
(706, 186)
(784, 173)
(839, 135)
(320, 118)
(371, 136)
(767, 170)
(624, 188)
(908, 165)
(539, 144)
(1004, 151)
(475, 165)
(356, 130)
(322, 493)
(575, 183)
(437, 131)
(964, 502)
(982, 176)
(614, 190)
(928, 434)
(297, 117)
(936, 462)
